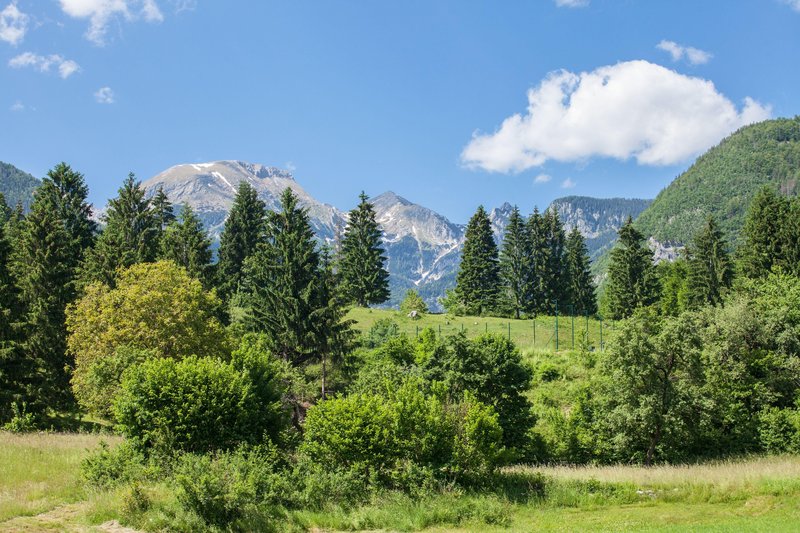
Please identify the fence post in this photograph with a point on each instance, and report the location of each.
(487, 327)
(601, 334)
(509, 331)
(417, 331)
(572, 314)
(534, 332)
(462, 327)
(440, 331)
(556, 302)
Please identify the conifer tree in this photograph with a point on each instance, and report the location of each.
(334, 334)
(130, 235)
(162, 210)
(553, 281)
(15, 368)
(515, 259)
(762, 231)
(791, 238)
(186, 242)
(710, 272)
(243, 230)
(362, 260)
(5, 210)
(632, 280)
(478, 278)
(283, 284)
(49, 246)
(538, 261)
(580, 288)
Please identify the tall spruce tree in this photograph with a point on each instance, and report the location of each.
(710, 272)
(554, 281)
(49, 246)
(540, 252)
(580, 287)
(334, 333)
(186, 242)
(632, 279)
(790, 236)
(5, 210)
(15, 368)
(162, 210)
(243, 230)
(283, 282)
(478, 278)
(762, 231)
(515, 262)
(130, 235)
(362, 260)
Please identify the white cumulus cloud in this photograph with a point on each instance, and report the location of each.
(695, 56)
(542, 178)
(65, 67)
(568, 184)
(632, 109)
(104, 95)
(13, 24)
(102, 12)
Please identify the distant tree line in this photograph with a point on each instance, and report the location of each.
(538, 269)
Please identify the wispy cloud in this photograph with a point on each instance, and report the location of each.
(794, 4)
(568, 184)
(694, 56)
(17, 107)
(542, 178)
(65, 67)
(13, 24)
(104, 95)
(572, 3)
(634, 109)
(102, 12)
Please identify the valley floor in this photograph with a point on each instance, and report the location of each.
(41, 490)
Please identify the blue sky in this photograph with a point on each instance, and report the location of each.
(448, 103)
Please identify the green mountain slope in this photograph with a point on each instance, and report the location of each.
(723, 181)
(16, 185)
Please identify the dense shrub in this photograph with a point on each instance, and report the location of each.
(404, 435)
(196, 405)
(382, 330)
(109, 466)
(154, 306)
(224, 488)
(779, 430)
(491, 368)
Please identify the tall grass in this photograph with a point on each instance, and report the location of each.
(39, 471)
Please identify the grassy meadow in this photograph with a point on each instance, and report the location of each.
(41, 490)
(528, 334)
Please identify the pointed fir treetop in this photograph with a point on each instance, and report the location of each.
(362, 260)
(710, 270)
(162, 208)
(244, 229)
(762, 230)
(478, 278)
(515, 264)
(581, 289)
(632, 280)
(186, 242)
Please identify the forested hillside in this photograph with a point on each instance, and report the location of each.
(724, 180)
(16, 185)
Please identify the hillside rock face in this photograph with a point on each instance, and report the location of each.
(598, 219)
(211, 187)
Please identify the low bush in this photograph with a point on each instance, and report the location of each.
(193, 405)
(107, 466)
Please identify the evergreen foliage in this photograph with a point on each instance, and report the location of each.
(17, 186)
(723, 182)
(162, 209)
(763, 228)
(413, 302)
(539, 259)
(554, 282)
(186, 243)
(632, 280)
(581, 289)
(15, 368)
(362, 260)
(5, 210)
(130, 236)
(243, 230)
(49, 247)
(289, 292)
(515, 263)
(710, 269)
(478, 279)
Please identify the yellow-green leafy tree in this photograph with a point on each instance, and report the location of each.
(154, 310)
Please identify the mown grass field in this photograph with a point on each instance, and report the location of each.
(41, 490)
(530, 334)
